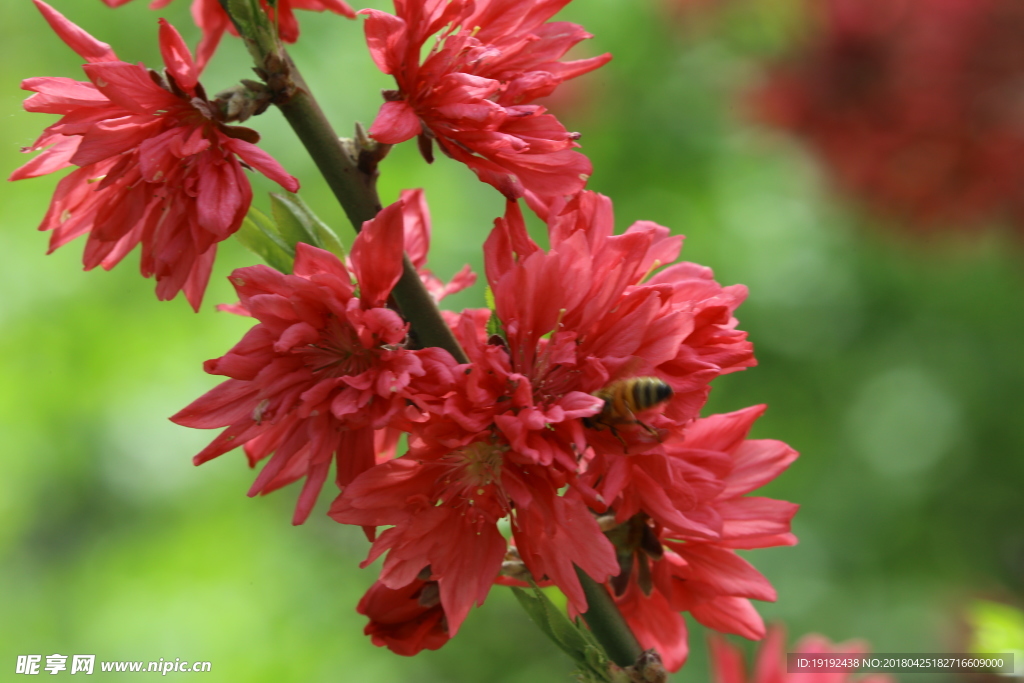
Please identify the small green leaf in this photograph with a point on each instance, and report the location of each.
(291, 221)
(264, 242)
(494, 326)
(327, 236)
(298, 223)
(574, 639)
(241, 11)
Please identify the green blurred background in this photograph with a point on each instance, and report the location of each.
(894, 365)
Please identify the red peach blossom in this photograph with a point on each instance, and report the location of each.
(506, 438)
(407, 620)
(155, 164)
(698, 573)
(322, 371)
(472, 91)
(580, 316)
(443, 501)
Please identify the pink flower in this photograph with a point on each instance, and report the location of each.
(472, 91)
(155, 164)
(770, 665)
(407, 620)
(668, 570)
(443, 501)
(322, 371)
(581, 316)
(211, 18)
(504, 437)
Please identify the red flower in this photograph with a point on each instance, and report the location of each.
(505, 437)
(407, 620)
(322, 371)
(911, 105)
(770, 666)
(211, 18)
(156, 165)
(472, 91)
(667, 570)
(581, 316)
(443, 501)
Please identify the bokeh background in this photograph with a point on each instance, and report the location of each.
(893, 363)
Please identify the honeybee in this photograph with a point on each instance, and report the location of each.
(624, 398)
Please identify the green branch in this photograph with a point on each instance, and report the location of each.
(607, 623)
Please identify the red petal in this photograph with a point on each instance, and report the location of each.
(87, 47)
(130, 86)
(111, 137)
(383, 33)
(262, 162)
(396, 122)
(220, 197)
(53, 159)
(757, 462)
(417, 226)
(177, 57)
(310, 261)
(730, 615)
(377, 254)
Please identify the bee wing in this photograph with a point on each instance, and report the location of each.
(622, 368)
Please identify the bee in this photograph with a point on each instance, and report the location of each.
(624, 398)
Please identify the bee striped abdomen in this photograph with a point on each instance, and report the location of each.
(626, 397)
(647, 392)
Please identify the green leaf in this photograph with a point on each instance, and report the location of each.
(241, 11)
(298, 223)
(291, 221)
(259, 235)
(494, 326)
(573, 638)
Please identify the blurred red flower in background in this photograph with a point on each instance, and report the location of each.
(914, 106)
(770, 665)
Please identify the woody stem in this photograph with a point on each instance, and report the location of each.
(354, 188)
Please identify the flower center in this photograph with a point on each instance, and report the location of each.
(473, 477)
(339, 352)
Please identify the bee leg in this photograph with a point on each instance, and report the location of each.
(650, 430)
(615, 433)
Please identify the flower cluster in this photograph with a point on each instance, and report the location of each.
(156, 165)
(912, 106)
(645, 497)
(568, 442)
